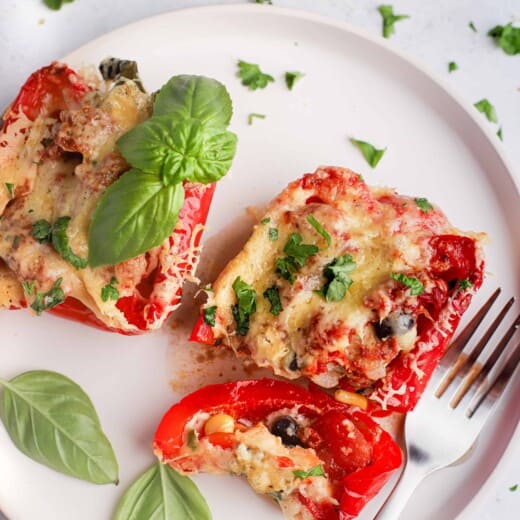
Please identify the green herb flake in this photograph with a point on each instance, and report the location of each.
(252, 76)
(471, 25)
(16, 242)
(209, 314)
(292, 77)
(109, 291)
(507, 38)
(265, 221)
(465, 284)
(45, 301)
(273, 234)
(251, 117)
(297, 255)
(514, 487)
(370, 152)
(192, 440)
(423, 204)
(60, 242)
(499, 134)
(56, 5)
(452, 66)
(317, 471)
(273, 295)
(389, 19)
(41, 231)
(319, 229)
(487, 109)
(415, 285)
(29, 287)
(9, 186)
(264, 2)
(338, 279)
(245, 306)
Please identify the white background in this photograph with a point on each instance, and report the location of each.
(437, 32)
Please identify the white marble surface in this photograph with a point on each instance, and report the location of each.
(437, 32)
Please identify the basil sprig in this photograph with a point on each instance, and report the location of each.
(52, 420)
(184, 140)
(161, 492)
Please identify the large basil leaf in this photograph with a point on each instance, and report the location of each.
(135, 214)
(162, 494)
(52, 420)
(196, 97)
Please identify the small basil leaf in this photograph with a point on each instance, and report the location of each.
(134, 214)
(161, 493)
(195, 97)
(52, 420)
(55, 5)
(414, 284)
(209, 314)
(317, 471)
(215, 158)
(60, 242)
(369, 151)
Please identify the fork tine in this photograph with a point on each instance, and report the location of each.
(462, 340)
(481, 362)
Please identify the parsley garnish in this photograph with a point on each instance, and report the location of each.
(252, 76)
(415, 285)
(192, 440)
(452, 66)
(60, 242)
(499, 133)
(317, 471)
(265, 221)
(370, 152)
(28, 287)
(465, 284)
(423, 204)
(246, 306)
(514, 487)
(41, 231)
(319, 229)
(252, 116)
(292, 77)
(209, 314)
(265, 2)
(273, 234)
(337, 274)
(56, 5)
(109, 291)
(507, 37)
(9, 186)
(389, 19)
(50, 299)
(297, 254)
(488, 109)
(471, 25)
(273, 295)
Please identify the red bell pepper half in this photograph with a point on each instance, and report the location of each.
(357, 456)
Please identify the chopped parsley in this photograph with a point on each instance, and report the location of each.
(423, 204)
(370, 152)
(292, 77)
(265, 2)
(337, 274)
(296, 256)
(273, 295)
(16, 242)
(273, 234)
(471, 25)
(487, 109)
(56, 5)
(452, 66)
(28, 287)
(9, 186)
(514, 487)
(499, 134)
(60, 242)
(54, 296)
(265, 221)
(109, 291)
(507, 37)
(389, 19)
(41, 231)
(416, 287)
(245, 307)
(319, 229)
(465, 284)
(252, 76)
(192, 440)
(252, 116)
(209, 314)
(317, 471)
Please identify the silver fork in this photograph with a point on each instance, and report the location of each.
(466, 364)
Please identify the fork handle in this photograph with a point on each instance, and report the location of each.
(411, 476)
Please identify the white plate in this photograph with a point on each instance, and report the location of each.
(355, 85)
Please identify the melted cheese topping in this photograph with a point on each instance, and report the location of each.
(326, 340)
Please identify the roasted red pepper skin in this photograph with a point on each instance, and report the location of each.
(255, 400)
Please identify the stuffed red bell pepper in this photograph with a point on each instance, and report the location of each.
(316, 457)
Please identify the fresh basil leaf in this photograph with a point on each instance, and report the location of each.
(337, 274)
(245, 307)
(209, 314)
(273, 234)
(195, 97)
(162, 494)
(109, 291)
(452, 66)
(389, 19)
(507, 37)
(41, 231)
(60, 242)
(319, 229)
(134, 214)
(317, 471)
(252, 116)
(487, 109)
(252, 76)
(471, 25)
(56, 5)
(292, 77)
(45, 301)
(215, 158)
(465, 284)
(272, 294)
(52, 420)
(9, 186)
(416, 287)
(370, 152)
(423, 204)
